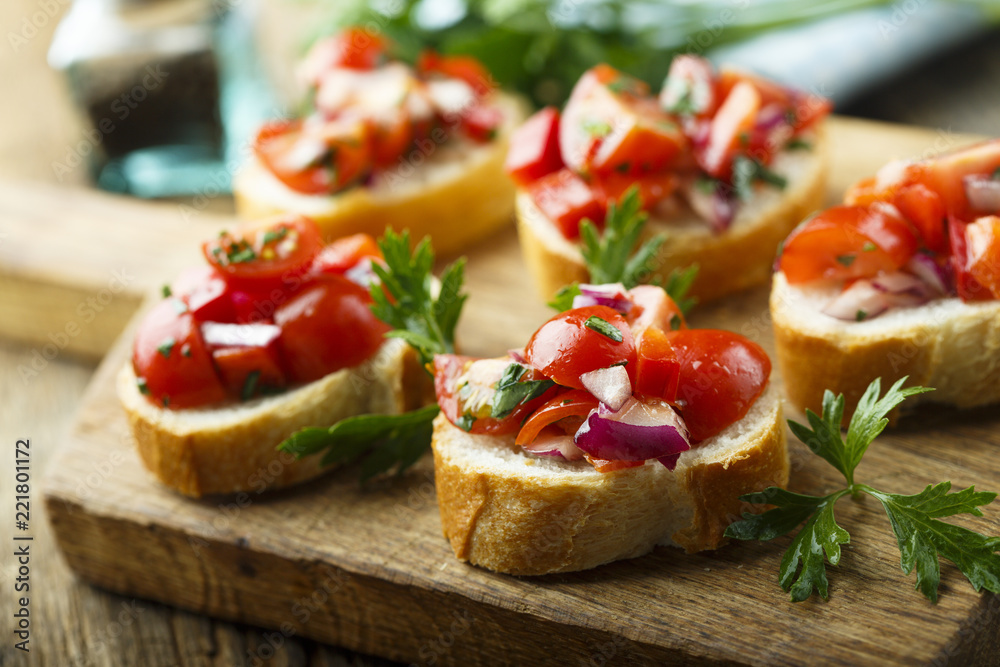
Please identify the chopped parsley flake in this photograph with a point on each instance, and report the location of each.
(860, 315)
(272, 235)
(869, 247)
(846, 260)
(465, 422)
(797, 144)
(596, 128)
(143, 386)
(166, 291)
(165, 347)
(603, 327)
(250, 385)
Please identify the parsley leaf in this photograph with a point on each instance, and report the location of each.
(915, 519)
(380, 442)
(603, 327)
(426, 322)
(609, 257)
(747, 171)
(511, 391)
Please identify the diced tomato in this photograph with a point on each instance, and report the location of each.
(170, 359)
(610, 123)
(573, 403)
(572, 343)
(326, 327)
(344, 253)
(847, 242)
(534, 147)
(654, 308)
(466, 68)
(481, 122)
(604, 465)
(318, 159)
(976, 258)
(391, 135)
(566, 199)
(721, 375)
(734, 120)
(925, 209)
(864, 192)
(265, 256)
(204, 291)
(658, 371)
(946, 175)
(479, 378)
(354, 48)
(653, 187)
(690, 88)
(246, 355)
(805, 109)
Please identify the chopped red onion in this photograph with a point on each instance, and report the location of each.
(611, 386)
(771, 117)
(714, 207)
(552, 444)
(983, 193)
(860, 301)
(934, 276)
(611, 295)
(517, 355)
(898, 282)
(641, 430)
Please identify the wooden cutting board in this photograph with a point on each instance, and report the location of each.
(367, 568)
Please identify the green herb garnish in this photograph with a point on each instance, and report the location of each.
(427, 323)
(860, 315)
(915, 519)
(603, 327)
(165, 347)
(747, 171)
(143, 386)
(466, 421)
(596, 128)
(274, 235)
(797, 144)
(996, 174)
(869, 246)
(250, 385)
(512, 391)
(166, 291)
(846, 260)
(380, 442)
(424, 321)
(563, 299)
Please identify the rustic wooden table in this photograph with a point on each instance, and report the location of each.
(74, 624)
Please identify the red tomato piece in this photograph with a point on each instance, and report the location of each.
(567, 199)
(174, 367)
(690, 88)
(847, 242)
(318, 159)
(478, 379)
(481, 122)
(805, 109)
(345, 253)
(571, 344)
(391, 135)
(206, 294)
(653, 187)
(654, 308)
(734, 119)
(572, 403)
(466, 68)
(326, 327)
(976, 258)
(604, 465)
(721, 375)
(354, 48)
(265, 257)
(248, 372)
(658, 372)
(945, 175)
(534, 147)
(925, 209)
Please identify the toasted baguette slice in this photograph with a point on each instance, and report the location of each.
(511, 512)
(232, 448)
(731, 261)
(947, 344)
(455, 192)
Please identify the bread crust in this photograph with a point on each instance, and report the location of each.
(506, 511)
(739, 258)
(949, 345)
(221, 450)
(456, 192)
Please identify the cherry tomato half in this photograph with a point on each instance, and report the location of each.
(572, 343)
(265, 256)
(721, 375)
(326, 327)
(345, 253)
(976, 258)
(572, 403)
(658, 373)
(847, 242)
(170, 359)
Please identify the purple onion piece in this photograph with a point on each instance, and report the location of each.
(898, 282)
(612, 295)
(670, 460)
(611, 386)
(561, 446)
(860, 301)
(934, 276)
(517, 355)
(637, 432)
(715, 207)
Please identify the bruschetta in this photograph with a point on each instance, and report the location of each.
(387, 145)
(726, 164)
